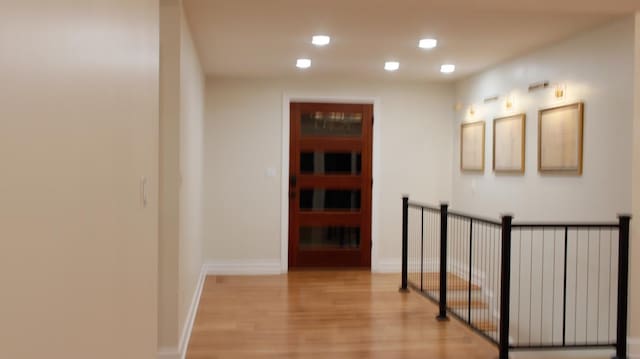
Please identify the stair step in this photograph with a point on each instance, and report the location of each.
(454, 282)
(463, 303)
(485, 325)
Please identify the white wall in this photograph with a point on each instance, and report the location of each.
(243, 139)
(78, 132)
(181, 153)
(634, 290)
(596, 68)
(169, 217)
(192, 92)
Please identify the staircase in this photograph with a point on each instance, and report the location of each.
(560, 267)
(458, 293)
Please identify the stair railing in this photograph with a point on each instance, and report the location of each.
(521, 286)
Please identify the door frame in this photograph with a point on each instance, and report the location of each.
(287, 98)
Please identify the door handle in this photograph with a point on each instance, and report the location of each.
(293, 180)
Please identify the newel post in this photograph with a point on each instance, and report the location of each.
(623, 286)
(405, 243)
(442, 304)
(505, 286)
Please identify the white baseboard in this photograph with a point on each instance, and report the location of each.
(395, 265)
(168, 353)
(181, 351)
(388, 266)
(244, 267)
(634, 348)
(191, 316)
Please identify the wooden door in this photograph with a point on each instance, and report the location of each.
(330, 185)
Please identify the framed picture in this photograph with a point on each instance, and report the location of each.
(472, 146)
(560, 139)
(509, 144)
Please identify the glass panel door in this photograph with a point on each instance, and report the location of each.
(320, 199)
(331, 163)
(330, 185)
(336, 237)
(331, 124)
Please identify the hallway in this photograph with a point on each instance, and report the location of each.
(170, 167)
(324, 314)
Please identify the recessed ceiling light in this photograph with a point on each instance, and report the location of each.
(447, 68)
(427, 43)
(303, 63)
(391, 65)
(321, 40)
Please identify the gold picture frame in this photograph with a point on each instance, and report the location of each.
(509, 139)
(472, 146)
(561, 139)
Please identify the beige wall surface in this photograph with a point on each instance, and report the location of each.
(192, 88)
(181, 145)
(243, 144)
(78, 132)
(168, 270)
(634, 275)
(595, 67)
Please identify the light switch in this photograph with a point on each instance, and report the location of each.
(143, 192)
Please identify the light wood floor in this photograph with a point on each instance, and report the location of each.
(324, 314)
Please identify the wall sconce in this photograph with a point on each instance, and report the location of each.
(538, 86)
(491, 99)
(508, 102)
(458, 106)
(560, 92)
(472, 111)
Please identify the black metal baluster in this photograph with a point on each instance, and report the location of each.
(542, 286)
(575, 302)
(421, 247)
(442, 308)
(564, 288)
(553, 288)
(436, 235)
(470, 268)
(505, 284)
(405, 244)
(623, 289)
(598, 291)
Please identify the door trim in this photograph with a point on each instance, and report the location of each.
(287, 98)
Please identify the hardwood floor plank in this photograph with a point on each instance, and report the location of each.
(324, 314)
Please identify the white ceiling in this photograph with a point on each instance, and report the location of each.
(263, 38)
